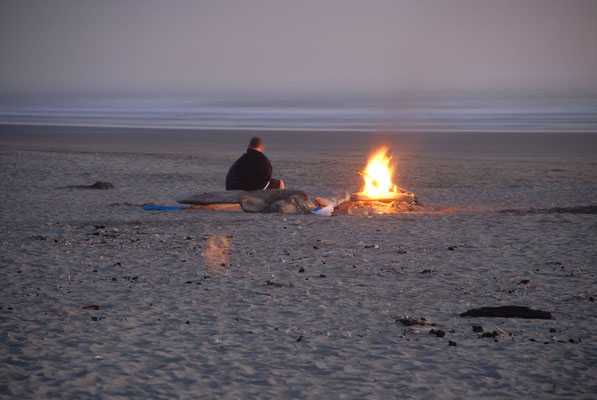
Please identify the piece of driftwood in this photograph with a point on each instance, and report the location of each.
(507, 312)
(385, 197)
(99, 185)
(283, 201)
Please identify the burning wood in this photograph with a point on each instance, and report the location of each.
(379, 194)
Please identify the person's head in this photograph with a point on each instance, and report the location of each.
(255, 143)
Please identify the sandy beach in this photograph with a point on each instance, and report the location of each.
(101, 299)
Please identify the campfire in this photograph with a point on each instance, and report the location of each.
(379, 194)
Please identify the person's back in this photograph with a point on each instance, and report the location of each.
(252, 171)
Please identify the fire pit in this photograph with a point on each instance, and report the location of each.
(379, 194)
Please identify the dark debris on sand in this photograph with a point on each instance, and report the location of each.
(410, 321)
(99, 185)
(507, 312)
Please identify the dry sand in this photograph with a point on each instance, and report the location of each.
(216, 304)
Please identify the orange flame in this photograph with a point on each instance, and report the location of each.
(378, 174)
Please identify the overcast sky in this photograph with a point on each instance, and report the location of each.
(284, 46)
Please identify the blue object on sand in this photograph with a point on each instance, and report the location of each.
(162, 208)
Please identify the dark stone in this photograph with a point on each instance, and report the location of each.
(301, 270)
(552, 330)
(188, 322)
(451, 248)
(523, 282)
(188, 282)
(507, 312)
(451, 343)
(315, 247)
(299, 338)
(322, 275)
(91, 307)
(440, 333)
(425, 271)
(490, 334)
(591, 298)
(477, 328)
(410, 321)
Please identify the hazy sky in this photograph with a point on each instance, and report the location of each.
(308, 46)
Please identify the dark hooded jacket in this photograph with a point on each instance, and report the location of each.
(252, 171)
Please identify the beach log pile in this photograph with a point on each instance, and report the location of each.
(289, 201)
(390, 203)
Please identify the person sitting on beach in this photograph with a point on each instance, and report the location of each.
(252, 171)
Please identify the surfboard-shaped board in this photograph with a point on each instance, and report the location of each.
(234, 196)
(206, 198)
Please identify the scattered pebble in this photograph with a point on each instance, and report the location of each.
(425, 271)
(372, 246)
(91, 307)
(299, 338)
(438, 333)
(477, 328)
(322, 275)
(451, 343)
(451, 248)
(301, 270)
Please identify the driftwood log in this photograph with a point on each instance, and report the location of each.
(283, 201)
(386, 197)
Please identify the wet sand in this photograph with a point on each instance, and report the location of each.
(100, 298)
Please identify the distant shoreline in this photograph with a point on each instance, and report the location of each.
(107, 128)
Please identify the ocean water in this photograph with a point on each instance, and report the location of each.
(478, 112)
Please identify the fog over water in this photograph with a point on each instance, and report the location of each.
(309, 46)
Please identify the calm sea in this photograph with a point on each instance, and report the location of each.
(504, 112)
